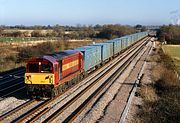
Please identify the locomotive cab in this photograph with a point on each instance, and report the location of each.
(39, 72)
(41, 76)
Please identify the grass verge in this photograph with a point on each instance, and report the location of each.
(161, 99)
(15, 57)
(174, 52)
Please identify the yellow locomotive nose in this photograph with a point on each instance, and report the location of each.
(39, 78)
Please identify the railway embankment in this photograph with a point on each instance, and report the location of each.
(158, 98)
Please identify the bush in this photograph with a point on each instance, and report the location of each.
(37, 33)
(25, 53)
(11, 58)
(44, 48)
(114, 31)
(35, 51)
(170, 33)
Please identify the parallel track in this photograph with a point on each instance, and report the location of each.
(133, 89)
(11, 82)
(11, 72)
(13, 114)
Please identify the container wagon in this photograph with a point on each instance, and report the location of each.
(106, 51)
(117, 45)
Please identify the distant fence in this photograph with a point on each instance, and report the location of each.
(24, 39)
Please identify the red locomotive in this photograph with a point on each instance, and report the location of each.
(49, 75)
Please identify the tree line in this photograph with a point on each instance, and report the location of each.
(70, 32)
(170, 34)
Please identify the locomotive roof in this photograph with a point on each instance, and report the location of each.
(54, 56)
(60, 55)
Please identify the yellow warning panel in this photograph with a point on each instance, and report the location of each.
(39, 78)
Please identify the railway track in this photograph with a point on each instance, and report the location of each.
(134, 87)
(11, 82)
(19, 111)
(15, 73)
(40, 110)
(10, 73)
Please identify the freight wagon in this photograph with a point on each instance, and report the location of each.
(91, 57)
(117, 46)
(106, 51)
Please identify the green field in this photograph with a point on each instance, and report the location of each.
(19, 39)
(174, 52)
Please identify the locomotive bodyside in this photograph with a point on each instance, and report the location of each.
(71, 65)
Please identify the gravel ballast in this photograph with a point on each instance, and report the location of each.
(10, 103)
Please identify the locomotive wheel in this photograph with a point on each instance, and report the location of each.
(63, 87)
(81, 76)
(54, 92)
(60, 88)
(69, 83)
(78, 78)
(30, 94)
(75, 80)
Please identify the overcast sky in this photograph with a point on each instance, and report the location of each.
(73, 12)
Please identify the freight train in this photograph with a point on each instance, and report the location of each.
(51, 74)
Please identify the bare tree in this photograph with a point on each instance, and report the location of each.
(1, 31)
(37, 33)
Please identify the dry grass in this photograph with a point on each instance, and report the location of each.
(154, 57)
(15, 57)
(148, 93)
(7, 59)
(161, 98)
